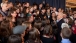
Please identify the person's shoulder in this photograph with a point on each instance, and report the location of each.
(62, 21)
(65, 41)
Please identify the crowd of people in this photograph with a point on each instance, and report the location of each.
(37, 23)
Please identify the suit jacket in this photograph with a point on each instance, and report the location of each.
(59, 23)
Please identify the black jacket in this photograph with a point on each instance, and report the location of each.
(59, 25)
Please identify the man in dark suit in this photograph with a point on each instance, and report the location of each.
(59, 23)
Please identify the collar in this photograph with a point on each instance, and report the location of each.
(65, 41)
(59, 20)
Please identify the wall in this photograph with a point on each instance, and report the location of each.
(53, 3)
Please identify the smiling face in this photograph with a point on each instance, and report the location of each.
(41, 5)
(31, 9)
(14, 14)
(64, 15)
(27, 4)
(31, 19)
(59, 10)
(43, 10)
(54, 9)
(35, 7)
(59, 16)
(27, 10)
(53, 14)
(18, 10)
(10, 5)
(48, 10)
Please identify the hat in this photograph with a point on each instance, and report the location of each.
(19, 29)
(64, 25)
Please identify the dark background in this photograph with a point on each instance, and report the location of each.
(0, 1)
(53, 3)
